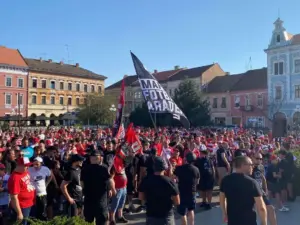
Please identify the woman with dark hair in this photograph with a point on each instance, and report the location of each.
(8, 160)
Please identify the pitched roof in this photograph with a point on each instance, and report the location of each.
(128, 81)
(11, 57)
(43, 66)
(252, 79)
(221, 84)
(190, 73)
(162, 76)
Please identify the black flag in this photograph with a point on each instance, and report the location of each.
(157, 99)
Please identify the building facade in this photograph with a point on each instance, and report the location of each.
(240, 99)
(13, 83)
(57, 88)
(283, 57)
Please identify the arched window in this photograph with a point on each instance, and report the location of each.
(278, 38)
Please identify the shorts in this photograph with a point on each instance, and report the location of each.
(266, 200)
(4, 210)
(72, 210)
(118, 201)
(130, 187)
(274, 187)
(186, 204)
(206, 184)
(94, 211)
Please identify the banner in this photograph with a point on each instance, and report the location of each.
(118, 120)
(157, 99)
(133, 140)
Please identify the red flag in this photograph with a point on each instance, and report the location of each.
(133, 140)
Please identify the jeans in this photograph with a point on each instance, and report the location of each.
(26, 214)
(118, 200)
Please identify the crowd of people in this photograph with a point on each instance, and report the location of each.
(79, 172)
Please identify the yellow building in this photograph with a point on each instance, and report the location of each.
(57, 88)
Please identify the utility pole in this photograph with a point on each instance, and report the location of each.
(19, 113)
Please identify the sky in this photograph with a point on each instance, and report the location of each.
(99, 34)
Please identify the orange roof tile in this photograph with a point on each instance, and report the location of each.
(12, 57)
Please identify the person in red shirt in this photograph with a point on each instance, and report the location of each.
(22, 192)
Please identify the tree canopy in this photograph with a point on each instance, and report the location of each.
(188, 98)
(96, 110)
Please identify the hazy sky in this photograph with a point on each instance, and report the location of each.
(162, 33)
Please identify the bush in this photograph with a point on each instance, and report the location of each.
(59, 220)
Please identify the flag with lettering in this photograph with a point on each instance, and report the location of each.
(121, 104)
(157, 99)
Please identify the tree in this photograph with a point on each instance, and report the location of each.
(96, 110)
(274, 106)
(140, 116)
(190, 100)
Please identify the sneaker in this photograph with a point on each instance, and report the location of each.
(122, 220)
(131, 210)
(112, 223)
(284, 209)
(140, 209)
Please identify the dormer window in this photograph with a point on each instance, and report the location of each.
(278, 38)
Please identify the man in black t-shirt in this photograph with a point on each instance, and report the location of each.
(71, 187)
(160, 194)
(223, 166)
(239, 193)
(149, 161)
(188, 178)
(207, 178)
(97, 186)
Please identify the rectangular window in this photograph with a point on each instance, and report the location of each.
(33, 99)
(278, 92)
(44, 100)
(77, 87)
(52, 100)
(260, 100)
(237, 101)
(223, 103)
(77, 101)
(61, 85)
(297, 66)
(297, 91)
(85, 101)
(34, 83)
(61, 100)
(85, 88)
(92, 88)
(70, 86)
(247, 100)
(20, 82)
(44, 84)
(99, 89)
(278, 68)
(20, 99)
(8, 82)
(52, 84)
(215, 103)
(8, 99)
(69, 101)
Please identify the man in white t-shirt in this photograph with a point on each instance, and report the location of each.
(40, 177)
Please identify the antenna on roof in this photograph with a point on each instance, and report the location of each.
(250, 63)
(278, 12)
(68, 53)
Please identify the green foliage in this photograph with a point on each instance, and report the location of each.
(58, 220)
(96, 111)
(187, 98)
(190, 100)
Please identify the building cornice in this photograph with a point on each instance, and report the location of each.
(13, 70)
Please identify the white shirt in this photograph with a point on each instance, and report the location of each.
(38, 179)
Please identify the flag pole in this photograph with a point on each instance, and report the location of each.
(150, 114)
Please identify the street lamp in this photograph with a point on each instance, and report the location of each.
(113, 109)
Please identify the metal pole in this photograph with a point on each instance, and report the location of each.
(19, 113)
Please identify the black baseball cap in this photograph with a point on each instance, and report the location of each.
(76, 158)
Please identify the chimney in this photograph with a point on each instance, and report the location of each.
(50, 60)
(41, 59)
(155, 71)
(177, 67)
(61, 63)
(77, 64)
